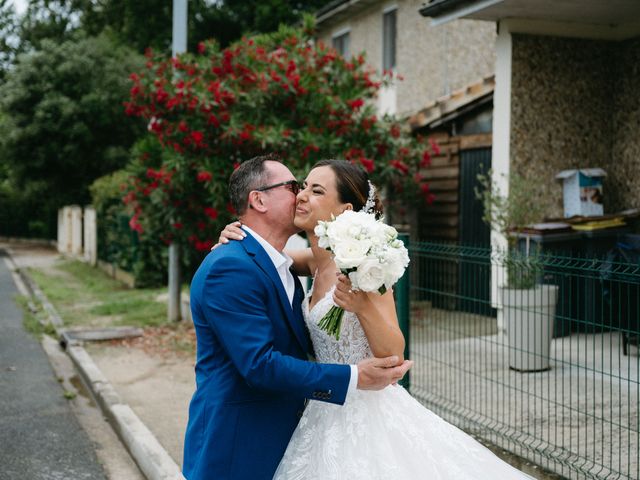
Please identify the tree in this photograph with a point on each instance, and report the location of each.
(278, 93)
(62, 124)
(53, 20)
(8, 36)
(147, 23)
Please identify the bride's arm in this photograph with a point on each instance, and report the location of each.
(377, 315)
(303, 263)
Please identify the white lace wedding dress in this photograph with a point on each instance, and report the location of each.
(378, 435)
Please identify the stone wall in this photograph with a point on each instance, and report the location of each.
(624, 171)
(433, 60)
(561, 108)
(576, 104)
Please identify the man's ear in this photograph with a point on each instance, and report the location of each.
(256, 203)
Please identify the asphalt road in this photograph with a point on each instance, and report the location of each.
(40, 438)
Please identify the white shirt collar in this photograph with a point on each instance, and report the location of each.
(279, 259)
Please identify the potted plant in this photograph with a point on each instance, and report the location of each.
(528, 304)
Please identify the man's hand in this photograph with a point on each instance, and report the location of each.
(377, 373)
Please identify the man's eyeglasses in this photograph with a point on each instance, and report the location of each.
(292, 185)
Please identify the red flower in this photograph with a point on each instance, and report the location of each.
(177, 225)
(367, 163)
(356, 104)
(395, 131)
(201, 48)
(197, 137)
(434, 147)
(211, 212)
(426, 159)
(400, 166)
(204, 176)
(203, 246)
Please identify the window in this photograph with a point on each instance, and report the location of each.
(389, 39)
(341, 43)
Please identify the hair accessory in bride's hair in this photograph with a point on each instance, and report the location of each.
(370, 206)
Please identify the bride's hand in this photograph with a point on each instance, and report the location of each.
(231, 232)
(347, 298)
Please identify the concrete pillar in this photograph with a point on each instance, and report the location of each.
(90, 236)
(76, 230)
(61, 230)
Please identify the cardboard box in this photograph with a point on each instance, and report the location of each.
(582, 191)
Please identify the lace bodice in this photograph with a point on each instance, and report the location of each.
(352, 346)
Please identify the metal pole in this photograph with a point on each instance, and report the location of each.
(403, 309)
(179, 45)
(179, 27)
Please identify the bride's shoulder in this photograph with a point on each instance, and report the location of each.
(303, 261)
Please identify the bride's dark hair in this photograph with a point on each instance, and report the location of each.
(352, 183)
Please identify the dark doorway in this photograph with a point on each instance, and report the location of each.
(474, 279)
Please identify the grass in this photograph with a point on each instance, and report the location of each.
(86, 296)
(34, 322)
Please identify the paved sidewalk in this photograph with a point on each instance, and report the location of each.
(40, 438)
(144, 393)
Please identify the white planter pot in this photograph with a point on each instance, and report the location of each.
(529, 318)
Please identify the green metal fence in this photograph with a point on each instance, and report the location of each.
(557, 381)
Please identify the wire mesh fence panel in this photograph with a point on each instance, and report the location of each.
(549, 368)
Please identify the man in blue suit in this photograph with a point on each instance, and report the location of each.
(252, 372)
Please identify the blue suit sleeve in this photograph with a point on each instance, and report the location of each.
(234, 304)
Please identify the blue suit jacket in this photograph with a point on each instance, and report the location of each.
(251, 372)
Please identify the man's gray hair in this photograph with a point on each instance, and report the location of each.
(251, 174)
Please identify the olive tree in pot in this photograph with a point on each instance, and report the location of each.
(528, 304)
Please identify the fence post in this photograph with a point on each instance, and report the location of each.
(403, 308)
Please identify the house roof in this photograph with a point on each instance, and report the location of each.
(610, 13)
(450, 107)
(338, 10)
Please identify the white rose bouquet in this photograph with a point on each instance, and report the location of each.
(367, 251)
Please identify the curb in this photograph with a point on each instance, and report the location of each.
(150, 456)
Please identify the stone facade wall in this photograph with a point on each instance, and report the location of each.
(576, 104)
(624, 171)
(561, 108)
(433, 60)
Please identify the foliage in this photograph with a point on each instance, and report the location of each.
(508, 215)
(278, 93)
(148, 23)
(61, 124)
(52, 20)
(8, 36)
(145, 258)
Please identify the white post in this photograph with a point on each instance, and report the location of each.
(179, 46)
(500, 153)
(90, 236)
(76, 230)
(61, 231)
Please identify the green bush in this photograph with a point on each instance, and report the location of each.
(145, 258)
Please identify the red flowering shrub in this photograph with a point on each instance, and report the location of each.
(279, 93)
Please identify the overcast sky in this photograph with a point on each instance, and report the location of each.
(21, 5)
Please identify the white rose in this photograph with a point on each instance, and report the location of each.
(369, 276)
(395, 263)
(350, 253)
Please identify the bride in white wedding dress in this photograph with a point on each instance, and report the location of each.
(375, 435)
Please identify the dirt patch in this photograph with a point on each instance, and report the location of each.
(156, 382)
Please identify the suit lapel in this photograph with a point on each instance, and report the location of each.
(295, 321)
